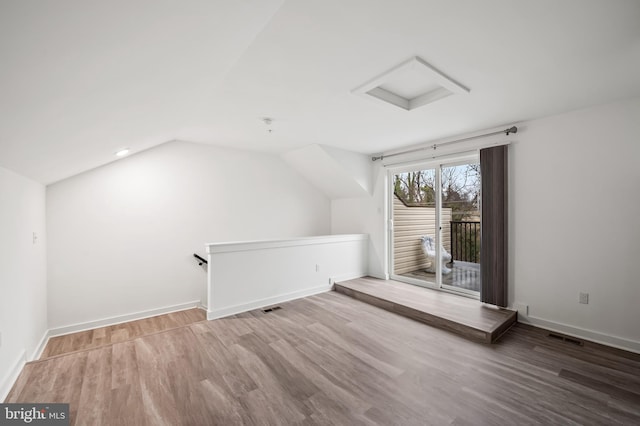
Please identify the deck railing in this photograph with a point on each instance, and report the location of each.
(465, 241)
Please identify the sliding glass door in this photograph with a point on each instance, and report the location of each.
(435, 225)
(414, 224)
(461, 200)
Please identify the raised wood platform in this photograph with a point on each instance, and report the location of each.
(461, 315)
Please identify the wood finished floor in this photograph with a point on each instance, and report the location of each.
(331, 359)
(462, 315)
(120, 332)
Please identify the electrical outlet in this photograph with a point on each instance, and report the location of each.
(584, 298)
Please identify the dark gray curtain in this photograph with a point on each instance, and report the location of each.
(494, 245)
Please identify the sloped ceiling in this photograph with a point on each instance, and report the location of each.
(83, 78)
(337, 173)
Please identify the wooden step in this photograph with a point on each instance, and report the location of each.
(467, 317)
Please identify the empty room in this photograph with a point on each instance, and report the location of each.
(354, 212)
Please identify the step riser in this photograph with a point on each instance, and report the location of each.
(426, 318)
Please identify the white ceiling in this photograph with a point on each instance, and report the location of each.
(82, 78)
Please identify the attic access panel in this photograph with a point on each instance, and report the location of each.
(410, 85)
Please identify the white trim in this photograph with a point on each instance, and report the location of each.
(9, 380)
(415, 281)
(378, 276)
(89, 325)
(459, 291)
(411, 63)
(446, 86)
(41, 345)
(256, 304)
(209, 282)
(583, 333)
(346, 277)
(436, 164)
(228, 247)
(389, 224)
(438, 231)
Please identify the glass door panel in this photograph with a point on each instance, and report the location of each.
(460, 219)
(415, 220)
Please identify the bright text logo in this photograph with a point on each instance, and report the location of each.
(34, 414)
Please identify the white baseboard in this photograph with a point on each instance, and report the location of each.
(261, 303)
(582, 333)
(41, 345)
(346, 277)
(74, 328)
(379, 276)
(7, 382)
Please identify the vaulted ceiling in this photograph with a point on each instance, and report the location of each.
(81, 79)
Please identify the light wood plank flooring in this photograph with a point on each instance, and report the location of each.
(331, 359)
(120, 332)
(467, 317)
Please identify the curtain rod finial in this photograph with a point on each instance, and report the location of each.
(512, 129)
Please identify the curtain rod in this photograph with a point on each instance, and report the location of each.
(512, 129)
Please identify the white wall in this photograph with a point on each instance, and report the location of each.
(251, 275)
(23, 291)
(574, 182)
(356, 164)
(335, 172)
(121, 237)
(574, 205)
(366, 215)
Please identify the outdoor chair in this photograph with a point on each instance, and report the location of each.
(429, 249)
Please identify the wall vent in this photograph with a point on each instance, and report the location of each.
(567, 339)
(273, 308)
